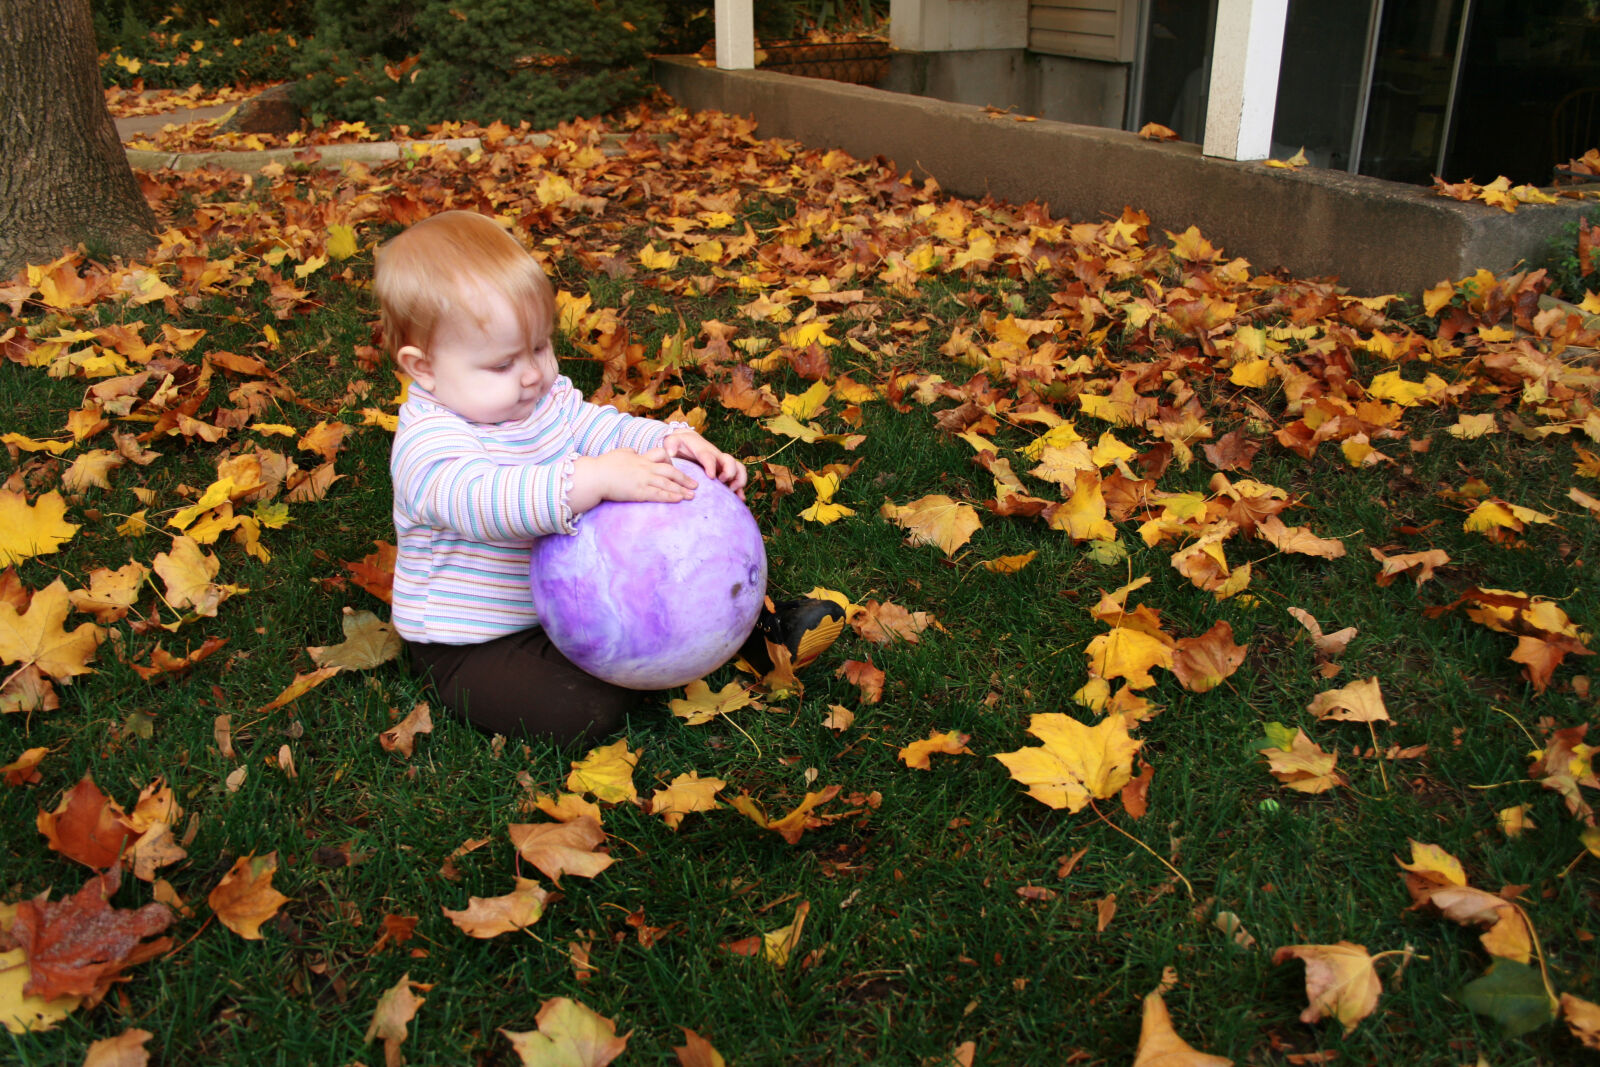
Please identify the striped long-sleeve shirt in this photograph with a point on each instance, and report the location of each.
(470, 499)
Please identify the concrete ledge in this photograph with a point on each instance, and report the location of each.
(332, 156)
(1374, 236)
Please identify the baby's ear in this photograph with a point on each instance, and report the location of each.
(414, 361)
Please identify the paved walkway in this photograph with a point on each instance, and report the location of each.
(129, 128)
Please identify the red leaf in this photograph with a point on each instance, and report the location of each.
(78, 946)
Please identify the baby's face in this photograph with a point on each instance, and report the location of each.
(491, 372)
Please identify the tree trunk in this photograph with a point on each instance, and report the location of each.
(64, 177)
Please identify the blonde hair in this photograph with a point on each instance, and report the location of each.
(440, 266)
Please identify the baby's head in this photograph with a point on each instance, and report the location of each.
(443, 266)
(467, 313)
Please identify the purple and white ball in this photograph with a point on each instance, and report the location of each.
(649, 595)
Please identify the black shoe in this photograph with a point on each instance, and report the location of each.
(807, 627)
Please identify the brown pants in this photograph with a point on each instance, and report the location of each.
(521, 685)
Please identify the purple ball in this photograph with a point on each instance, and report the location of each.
(651, 596)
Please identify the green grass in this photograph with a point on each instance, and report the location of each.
(917, 938)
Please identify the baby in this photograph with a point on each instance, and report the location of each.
(495, 447)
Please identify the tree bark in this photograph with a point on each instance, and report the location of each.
(64, 176)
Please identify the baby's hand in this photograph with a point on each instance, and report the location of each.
(720, 465)
(623, 474)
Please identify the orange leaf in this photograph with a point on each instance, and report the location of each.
(558, 848)
(88, 826)
(1160, 1045)
(1203, 663)
(1298, 539)
(915, 755)
(883, 623)
(486, 917)
(245, 899)
(865, 676)
(685, 794)
(1423, 563)
(302, 684)
(696, 1051)
(125, 1050)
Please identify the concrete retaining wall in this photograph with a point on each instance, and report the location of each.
(1374, 236)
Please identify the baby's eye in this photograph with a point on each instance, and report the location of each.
(507, 365)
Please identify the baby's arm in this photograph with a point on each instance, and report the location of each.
(444, 478)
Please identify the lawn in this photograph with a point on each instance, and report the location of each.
(1097, 480)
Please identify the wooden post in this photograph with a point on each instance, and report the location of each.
(736, 34)
(1244, 78)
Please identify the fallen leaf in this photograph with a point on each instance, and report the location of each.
(36, 638)
(915, 755)
(791, 826)
(1205, 662)
(1341, 982)
(558, 848)
(486, 917)
(569, 1035)
(696, 1051)
(1160, 1045)
(125, 1050)
(396, 1007)
(1076, 763)
(368, 642)
(28, 530)
(606, 773)
(1357, 702)
(685, 794)
(935, 520)
(700, 705)
(401, 737)
(78, 946)
(245, 899)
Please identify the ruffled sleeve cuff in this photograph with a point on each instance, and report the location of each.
(566, 521)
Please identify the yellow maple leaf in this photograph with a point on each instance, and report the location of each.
(1082, 516)
(1131, 654)
(685, 794)
(806, 405)
(92, 468)
(1341, 982)
(187, 573)
(1076, 763)
(606, 773)
(32, 530)
(700, 705)
(37, 638)
(657, 259)
(934, 520)
(1472, 427)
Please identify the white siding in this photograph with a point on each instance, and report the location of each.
(1086, 29)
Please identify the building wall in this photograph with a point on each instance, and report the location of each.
(1026, 83)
